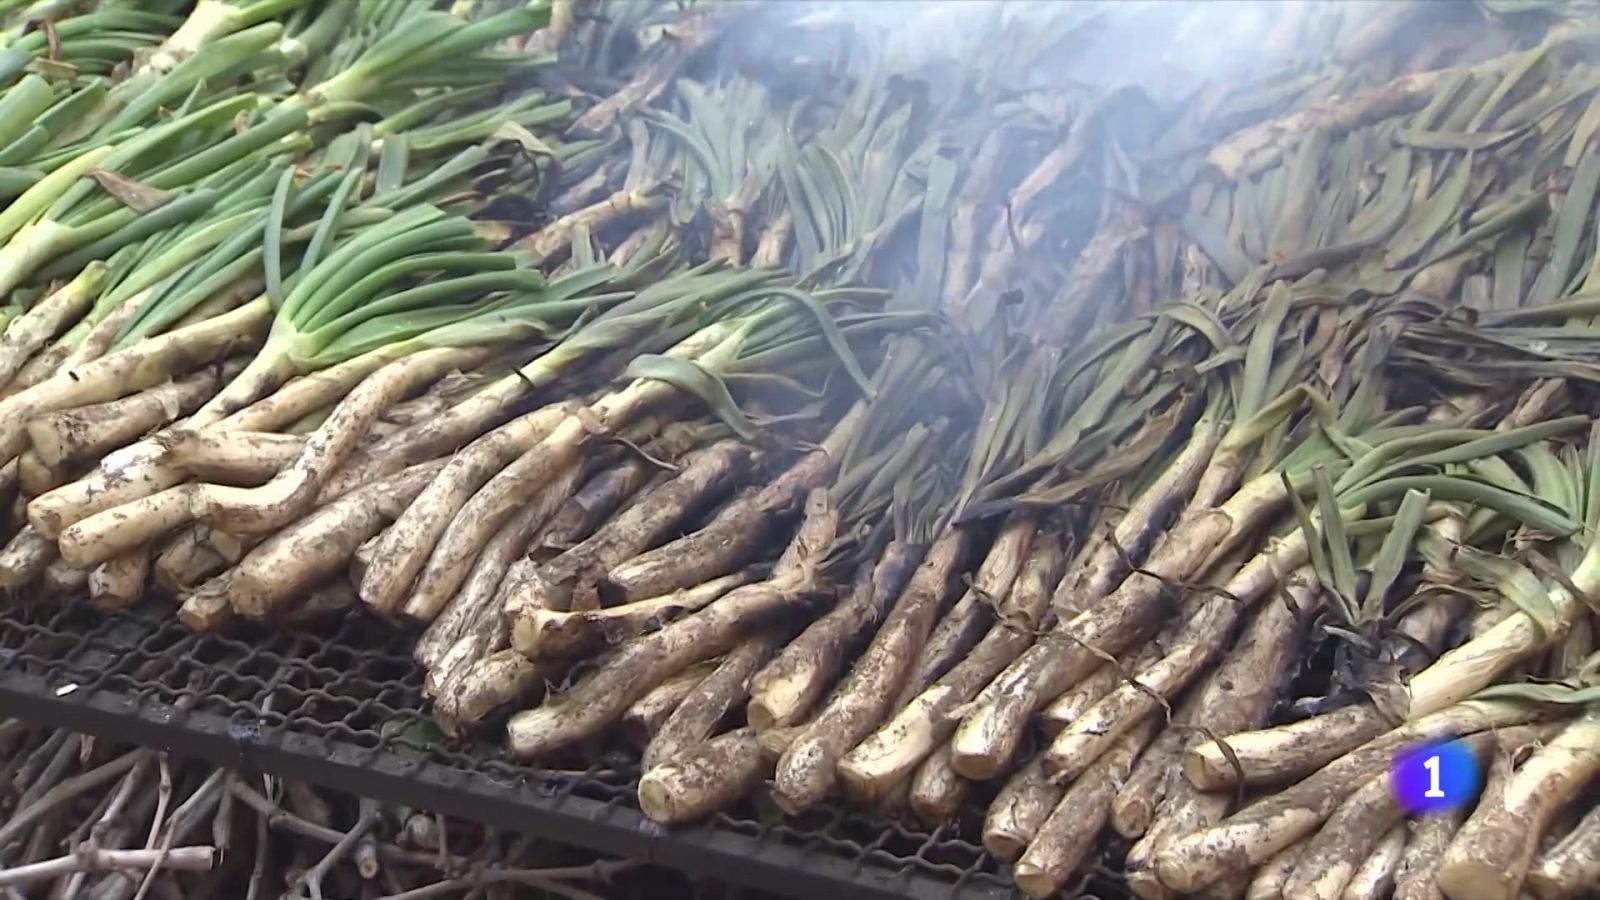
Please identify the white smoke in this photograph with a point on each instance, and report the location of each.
(1166, 47)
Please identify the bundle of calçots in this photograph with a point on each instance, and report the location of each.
(857, 413)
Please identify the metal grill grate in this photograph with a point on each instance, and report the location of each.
(344, 708)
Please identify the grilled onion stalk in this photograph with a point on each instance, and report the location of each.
(1157, 801)
(1346, 839)
(966, 622)
(991, 730)
(83, 433)
(918, 728)
(320, 545)
(1374, 878)
(734, 536)
(708, 777)
(1567, 868)
(808, 768)
(644, 661)
(1197, 644)
(644, 718)
(1299, 747)
(542, 632)
(478, 594)
(476, 598)
(1415, 873)
(1020, 809)
(728, 687)
(789, 686)
(1066, 838)
(1253, 834)
(987, 738)
(1492, 852)
(296, 488)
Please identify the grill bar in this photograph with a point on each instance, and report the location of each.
(345, 709)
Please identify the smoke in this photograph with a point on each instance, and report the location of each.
(1152, 43)
(1166, 47)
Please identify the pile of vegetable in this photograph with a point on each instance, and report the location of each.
(838, 409)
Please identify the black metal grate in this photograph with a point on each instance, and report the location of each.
(344, 708)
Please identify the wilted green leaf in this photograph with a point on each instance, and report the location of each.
(695, 380)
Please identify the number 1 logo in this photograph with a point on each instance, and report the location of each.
(1434, 792)
(1435, 776)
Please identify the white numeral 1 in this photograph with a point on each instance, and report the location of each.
(1432, 765)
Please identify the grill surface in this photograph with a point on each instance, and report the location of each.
(344, 708)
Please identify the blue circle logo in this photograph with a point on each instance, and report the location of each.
(1436, 776)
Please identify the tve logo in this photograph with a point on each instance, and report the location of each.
(1436, 776)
